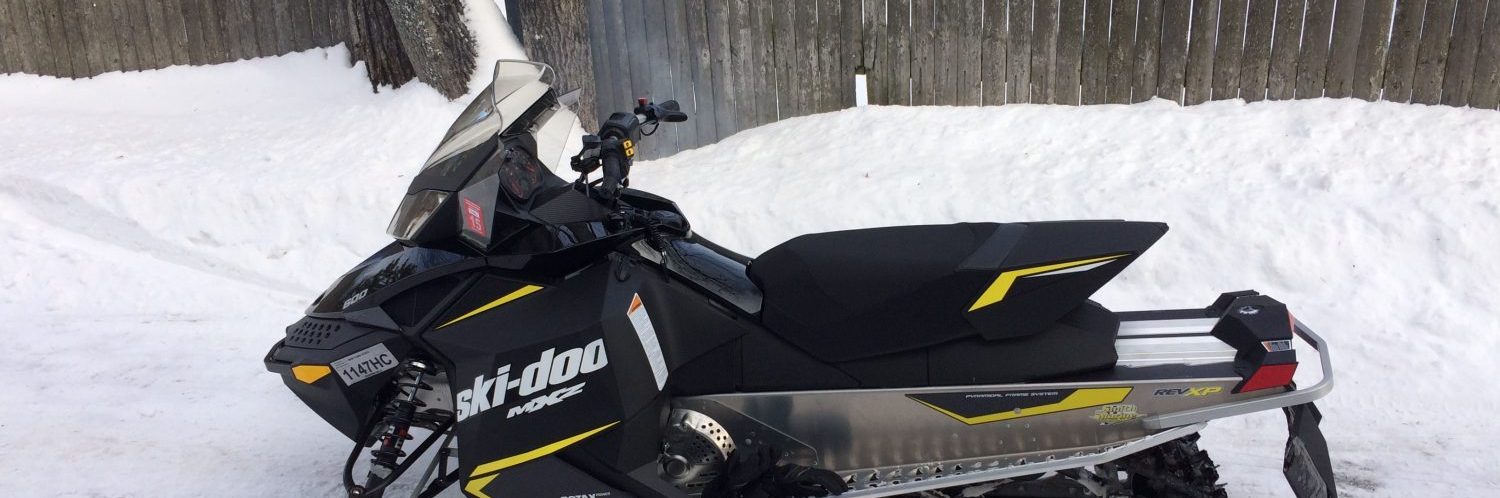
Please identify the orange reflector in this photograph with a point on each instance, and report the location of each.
(1269, 376)
(310, 373)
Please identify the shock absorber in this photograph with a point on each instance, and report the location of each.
(400, 413)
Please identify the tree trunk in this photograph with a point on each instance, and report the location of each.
(373, 39)
(557, 32)
(437, 42)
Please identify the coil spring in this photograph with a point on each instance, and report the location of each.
(400, 413)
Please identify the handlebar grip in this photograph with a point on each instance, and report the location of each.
(614, 175)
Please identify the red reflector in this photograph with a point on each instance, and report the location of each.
(1269, 376)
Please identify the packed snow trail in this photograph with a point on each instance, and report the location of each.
(161, 228)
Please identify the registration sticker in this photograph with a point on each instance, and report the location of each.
(364, 364)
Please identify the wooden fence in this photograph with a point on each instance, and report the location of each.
(82, 38)
(736, 64)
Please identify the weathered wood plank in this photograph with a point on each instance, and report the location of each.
(1312, 62)
(765, 42)
(618, 55)
(57, 39)
(51, 57)
(1229, 50)
(339, 21)
(43, 54)
(318, 25)
(282, 10)
(264, 12)
(1458, 76)
(788, 72)
(898, 52)
(214, 34)
(970, 73)
(229, 29)
(1095, 72)
(829, 60)
(875, 51)
(851, 26)
(1256, 61)
(1147, 50)
(947, 18)
(806, 62)
(637, 56)
(604, 81)
(74, 24)
(124, 26)
(924, 84)
(1170, 73)
(1281, 78)
(993, 53)
(1348, 18)
(32, 57)
(681, 56)
(199, 48)
(1044, 50)
(1401, 60)
(1200, 60)
(10, 40)
(301, 24)
(1069, 72)
(242, 25)
(1121, 52)
(88, 30)
(725, 96)
(1018, 70)
(1370, 56)
(1486, 91)
(742, 62)
(101, 20)
(659, 67)
(1432, 54)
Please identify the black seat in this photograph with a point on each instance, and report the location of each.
(892, 301)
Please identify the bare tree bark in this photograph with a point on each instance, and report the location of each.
(436, 40)
(557, 32)
(373, 40)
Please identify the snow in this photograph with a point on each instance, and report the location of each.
(161, 228)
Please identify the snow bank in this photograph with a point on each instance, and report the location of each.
(159, 229)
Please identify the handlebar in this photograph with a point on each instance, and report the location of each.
(613, 147)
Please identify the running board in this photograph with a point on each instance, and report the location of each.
(1022, 468)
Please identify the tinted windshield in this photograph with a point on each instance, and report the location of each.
(516, 85)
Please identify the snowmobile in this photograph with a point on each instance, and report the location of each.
(531, 336)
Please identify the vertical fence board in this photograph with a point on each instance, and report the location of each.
(339, 22)
(1486, 91)
(63, 54)
(725, 96)
(49, 56)
(74, 24)
(680, 57)
(704, 94)
(264, 12)
(806, 62)
(1043, 50)
(659, 67)
(1121, 52)
(1018, 70)
(1095, 52)
(742, 63)
(102, 30)
(1312, 62)
(1401, 60)
(121, 22)
(30, 60)
(33, 29)
(1170, 73)
(1432, 54)
(1459, 73)
(317, 19)
(828, 57)
(787, 70)
(945, 52)
(765, 42)
(898, 52)
(922, 65)
(10, 40)
(214, 34)
(1067, 77)
(850, 27)
(1147, 49)
(229, 31)
(1281, 77)
(1369, 58)
(875, 50)
(190, 12)
(637, 56)
(1256, 61)
(302, 33)
(1200, 60)
(993, 53)
(1229, 51)
(1347, 20)
(282, 10)
(968, 57)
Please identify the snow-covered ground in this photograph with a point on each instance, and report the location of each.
(158, 229)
